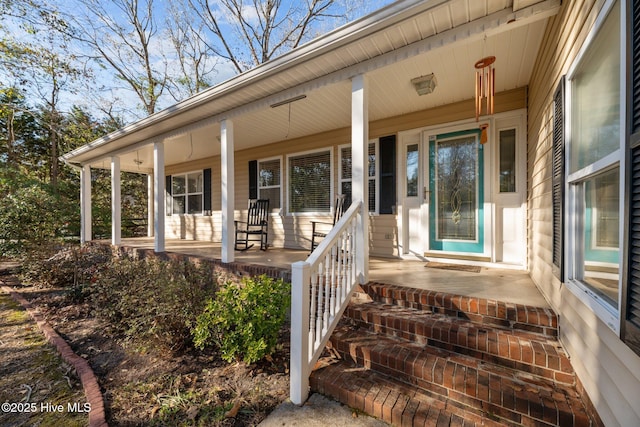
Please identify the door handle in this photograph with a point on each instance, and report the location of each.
(425, 192)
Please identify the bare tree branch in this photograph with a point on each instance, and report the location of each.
(196, 61)
(250, 33)
(125, 43)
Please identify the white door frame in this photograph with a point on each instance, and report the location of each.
(415, 210)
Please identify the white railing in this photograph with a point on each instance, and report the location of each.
(321, 288)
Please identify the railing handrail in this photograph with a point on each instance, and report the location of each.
(321, 289)
(321, 250)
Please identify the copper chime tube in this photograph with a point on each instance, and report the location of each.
(485, 85)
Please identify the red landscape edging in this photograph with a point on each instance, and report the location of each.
(85, 373)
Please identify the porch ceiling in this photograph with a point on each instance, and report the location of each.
(407, 39)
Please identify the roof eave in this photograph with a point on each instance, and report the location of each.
(348, 33)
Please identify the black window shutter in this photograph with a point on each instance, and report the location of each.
(630, 327)
(387, 152)
(168, 191)
(206, 174)
(253, 179)
(557, 179)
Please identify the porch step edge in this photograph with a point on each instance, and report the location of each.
(461, 381)
(537, 354)
(391, 401)
(539, 320)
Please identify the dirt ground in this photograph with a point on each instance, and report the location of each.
(145, 386)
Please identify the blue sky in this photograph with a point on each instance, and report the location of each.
(106, 88)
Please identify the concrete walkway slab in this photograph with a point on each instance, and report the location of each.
(319, 411)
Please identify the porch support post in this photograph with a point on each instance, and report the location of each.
(116, 202)
(158, 196)
(300, 337)
(360, 170)
(228, 190)
(150, 210)
(85, 204)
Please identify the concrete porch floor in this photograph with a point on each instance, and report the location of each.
(491, 283)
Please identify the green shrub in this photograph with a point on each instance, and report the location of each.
(28, 220)
(244, 319)
(153, 300)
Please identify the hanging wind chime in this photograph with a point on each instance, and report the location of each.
(485, 85)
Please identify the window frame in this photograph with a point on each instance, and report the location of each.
(574, 194)
(516, 154)
(186, 194)
(279, 186)
(405, 163)
(329, 150)
(375, 177)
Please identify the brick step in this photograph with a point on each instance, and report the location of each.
(476, 387)
(516, 349)
(392, 401)
(478, 310)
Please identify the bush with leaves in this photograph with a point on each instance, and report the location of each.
(244, 319)
(153, 300)
(27, 220)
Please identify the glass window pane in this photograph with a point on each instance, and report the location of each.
(269, 173)
(412, 170)
(178, 185)
(271, 194)
(310, 183)
(178, 204)
(508, 161)
(195, 182)
(345, 159)
(372, 159)
(600, 270)
(345, 189)
(456, 182)
(595, 89)
(195, 203)
(372, 195)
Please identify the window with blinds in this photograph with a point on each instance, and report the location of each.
(269, 181)
(310, 182)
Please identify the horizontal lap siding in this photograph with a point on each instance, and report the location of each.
(293, 231)
(608, 369)
(190, 227)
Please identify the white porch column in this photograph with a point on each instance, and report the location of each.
(116, 202)
(360, 170)
(301, 340)
(228, 189)
(85, 204)
(158, 196)
(150, 203)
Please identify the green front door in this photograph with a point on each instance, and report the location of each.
(456, 197)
